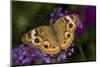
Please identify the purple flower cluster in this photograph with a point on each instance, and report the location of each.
(57, 13)
(26, 55)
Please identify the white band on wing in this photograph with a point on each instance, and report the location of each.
(68, 18)
(33, 34)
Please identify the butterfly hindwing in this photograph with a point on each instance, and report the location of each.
(65, 37)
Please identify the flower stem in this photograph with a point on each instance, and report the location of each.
(80, 48)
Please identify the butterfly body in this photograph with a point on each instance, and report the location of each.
(52, 39)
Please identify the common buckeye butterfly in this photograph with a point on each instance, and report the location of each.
(52, 39)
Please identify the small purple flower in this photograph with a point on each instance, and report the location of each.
(51, 20)
(58, 59)
(69, 54)
(57, 10)
(65, 12)
(21, 57)
(72, 50)
(14, 56)
(61, 56)
(52, 15)
(61, 14)
(80, 25)
(56, 14)
(47, 59)
(16, 62)
(22, 45)
(26, 61)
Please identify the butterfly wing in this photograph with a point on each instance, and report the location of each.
(65, 32)
(43, 38)
(26, 38)
(72, 22)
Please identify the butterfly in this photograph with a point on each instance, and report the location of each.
(55, 37)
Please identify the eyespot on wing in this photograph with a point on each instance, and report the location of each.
(48, 49)
(67, 41)
(73, 22)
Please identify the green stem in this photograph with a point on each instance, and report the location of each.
(80, 48)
